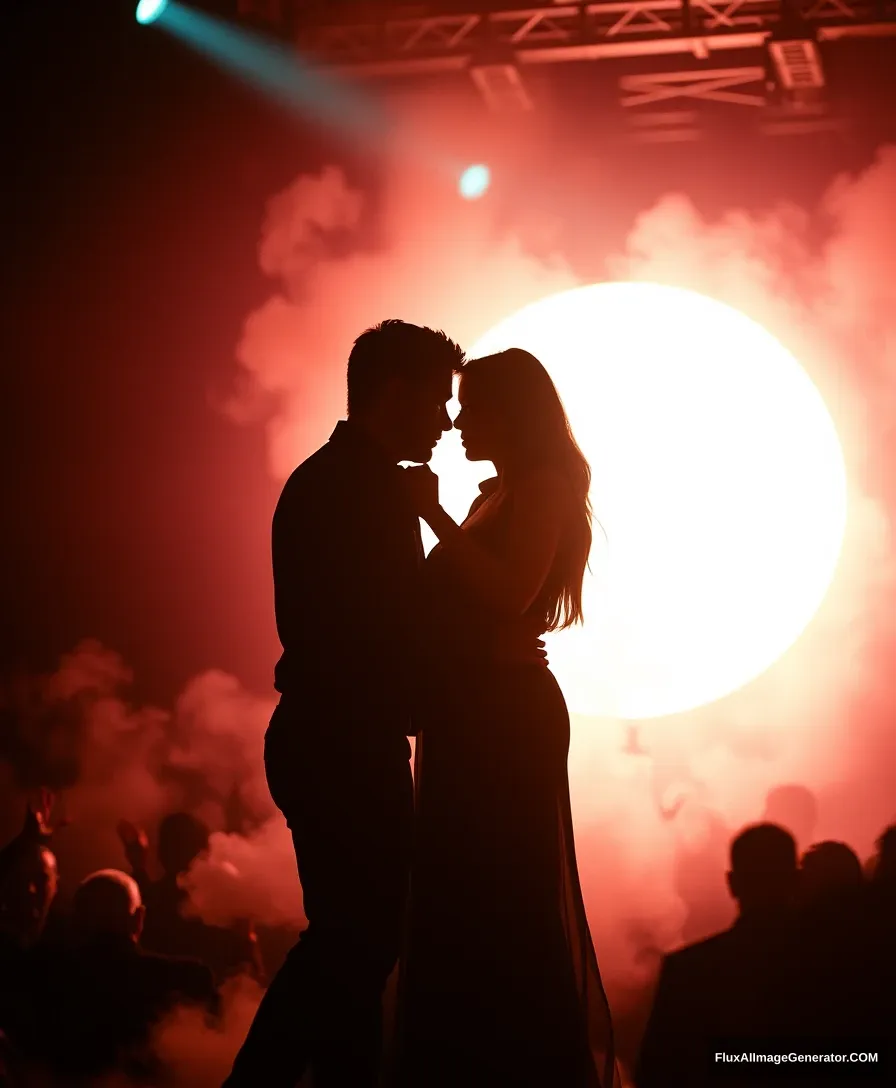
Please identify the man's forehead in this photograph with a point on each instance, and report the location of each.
(442, 386)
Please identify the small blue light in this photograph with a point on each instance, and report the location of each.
(474, 181)
(150, 10)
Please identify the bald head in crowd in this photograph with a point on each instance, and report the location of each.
(108, 904)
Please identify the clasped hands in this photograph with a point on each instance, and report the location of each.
(422, 487)
(512, 642)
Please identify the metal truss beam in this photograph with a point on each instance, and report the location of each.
(709, 86)
(412, 45)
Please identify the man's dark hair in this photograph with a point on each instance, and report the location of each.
(396, 349)
(763, 849)
(763, 872)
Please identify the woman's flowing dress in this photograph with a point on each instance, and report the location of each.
(500, 984)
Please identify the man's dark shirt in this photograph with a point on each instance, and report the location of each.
(757, 981)
(346, 554)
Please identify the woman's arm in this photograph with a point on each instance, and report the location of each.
(513, 583)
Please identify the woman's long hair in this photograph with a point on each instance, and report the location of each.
(515, 388)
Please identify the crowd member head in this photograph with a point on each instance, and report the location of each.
(28, 883)
(399, 384)
(829, 869)
(107, 904)
(885, 860)
(794, 807)
(511, 414)
(182, 838)
(763, 875)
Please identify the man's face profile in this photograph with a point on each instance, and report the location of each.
(425, 416)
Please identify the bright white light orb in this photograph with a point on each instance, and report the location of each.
(474, 181)
(150, 10)
(717, 474)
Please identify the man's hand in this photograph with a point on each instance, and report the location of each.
(136, 845)
(39, 825)
(422, 486)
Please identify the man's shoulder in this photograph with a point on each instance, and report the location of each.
(315, 479)
(336, 479)
(323, 461)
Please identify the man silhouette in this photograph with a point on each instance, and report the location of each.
(346, 555)
(743, 983)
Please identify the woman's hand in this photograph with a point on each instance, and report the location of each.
(422, 486)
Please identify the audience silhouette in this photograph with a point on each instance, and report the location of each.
(742, 982)
(182, 838)
(811, 956)
(829, 870)
(803, 962)
(28, 882)
(98, 992)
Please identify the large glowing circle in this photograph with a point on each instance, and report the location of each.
(150, 10)
(717, 475)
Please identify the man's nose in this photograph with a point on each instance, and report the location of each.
(446, 420)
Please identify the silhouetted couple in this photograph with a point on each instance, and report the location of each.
(498, 979)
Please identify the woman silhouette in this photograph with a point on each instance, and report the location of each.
(499, 984)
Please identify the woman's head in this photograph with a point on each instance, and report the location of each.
(511, 414)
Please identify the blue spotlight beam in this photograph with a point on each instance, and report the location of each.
(278, 72)
(148, 11)
(272, 68)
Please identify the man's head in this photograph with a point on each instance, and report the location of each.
(399, 383)
(829, 869)
(885, 860)
(763, 874)
(108, 904)
(28, 884)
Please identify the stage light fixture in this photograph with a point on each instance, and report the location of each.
(793, 51)
(150, 10)
(474, 181)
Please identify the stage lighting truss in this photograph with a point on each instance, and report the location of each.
(494, 71)
(495, 47)
(442, 40)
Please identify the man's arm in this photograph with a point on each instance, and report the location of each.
(511, 584)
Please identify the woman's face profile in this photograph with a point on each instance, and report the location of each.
(479, 429)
